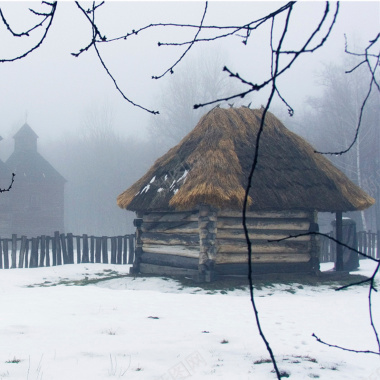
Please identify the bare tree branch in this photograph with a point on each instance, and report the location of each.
(345, 349)
(47, 17)
(170, 69)
(10, 186)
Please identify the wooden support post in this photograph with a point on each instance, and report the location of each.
(207, 243)
(85, 256)
(136, 255)
(14, 250)
(315, 246)
(104, 250)
(131, 249)
(339, 247)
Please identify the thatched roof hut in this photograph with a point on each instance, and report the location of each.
(211, 164)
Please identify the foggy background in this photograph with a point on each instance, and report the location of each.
(101, 144)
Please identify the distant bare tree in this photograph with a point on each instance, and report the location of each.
(198, 78)
(333, 119)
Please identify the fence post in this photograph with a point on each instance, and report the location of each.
(43, 248)
(58, 248)
(125, 250)
(98, 250)
(119, 258)
(5, 252)
(104, 250)
(79, 253)
(70, 248)
(64, 249)
(54, 250)
(373, 244)
(92, 248)
(47, 250)
(14, 250)
(85, 258)
(26, 258)
(34, 254)
(22, 252)
(113, 250)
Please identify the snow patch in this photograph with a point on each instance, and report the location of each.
(145, 189)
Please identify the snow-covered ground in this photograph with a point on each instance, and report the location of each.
(53, 327)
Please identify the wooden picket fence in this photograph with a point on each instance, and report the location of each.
(23, 252)
(367, 242)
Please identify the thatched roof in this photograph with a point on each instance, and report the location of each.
(211, 164)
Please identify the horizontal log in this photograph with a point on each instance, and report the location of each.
(162, 270)
(263, 268)
(172, 250)
(240, 246)
(265, 224)
(170, 239)
(231, 233)
(172, 227)
(170, 260)
(171, 216)
(225, 258)
(266, 214)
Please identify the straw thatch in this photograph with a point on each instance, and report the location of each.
(211, 164)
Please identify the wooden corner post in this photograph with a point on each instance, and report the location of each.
(138, 247)
(339, 236)
(207, 219)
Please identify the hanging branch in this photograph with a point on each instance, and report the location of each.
(275, 68)
(102, 38)
(48, 17)
(10, 186)
(170, 69)
(373, 82)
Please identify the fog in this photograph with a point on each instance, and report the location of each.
(57, 94)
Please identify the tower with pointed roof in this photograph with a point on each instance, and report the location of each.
(37, 196)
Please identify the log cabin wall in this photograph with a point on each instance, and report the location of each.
(170, 243)
(292, 255)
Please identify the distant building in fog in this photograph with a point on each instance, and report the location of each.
(35, 204)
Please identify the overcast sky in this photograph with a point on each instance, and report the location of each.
(53, 91)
